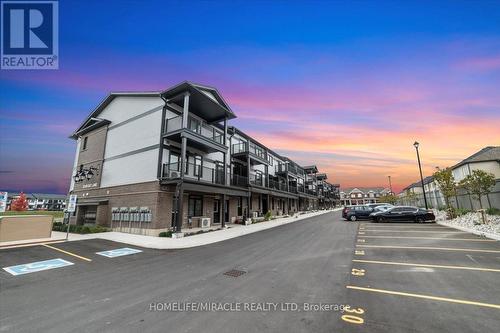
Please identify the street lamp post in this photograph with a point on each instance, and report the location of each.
(416, 144)
(390, 184)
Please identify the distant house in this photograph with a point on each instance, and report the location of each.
(487, 159)
(361, 195)
(40, 201)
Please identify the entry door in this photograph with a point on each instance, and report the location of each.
(216, 211)
(226, 212)
(265, 207)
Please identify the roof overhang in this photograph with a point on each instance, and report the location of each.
(310, 169)
(204, 101)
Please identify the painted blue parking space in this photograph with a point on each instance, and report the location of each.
(118, 252)
(37, 266)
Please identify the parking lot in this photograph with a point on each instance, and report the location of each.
(395, 277)
(408, 277)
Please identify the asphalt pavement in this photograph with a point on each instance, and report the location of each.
(292, 278)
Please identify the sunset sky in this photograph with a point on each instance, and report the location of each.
(348, 86)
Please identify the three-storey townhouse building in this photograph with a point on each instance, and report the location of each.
(148, 162)
(362, 195)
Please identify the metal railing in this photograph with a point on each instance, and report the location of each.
(237, 180)
(258, 179)
(193, 171)
(196, 126)
(288, 167)
(277, 185)
(215, 176)
(251, 148)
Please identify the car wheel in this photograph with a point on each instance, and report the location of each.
(353, 218)
(420, 219)
(380, 219)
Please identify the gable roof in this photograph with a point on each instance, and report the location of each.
(490, 153)
(204, 100)
(84, 126)
(363, 189)
(203, 95)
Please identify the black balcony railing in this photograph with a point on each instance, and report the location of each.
(215, 176)
(237, 180)
(251, 148)
(194, 172)
(288, 167)
(277, 185)
(258, 179)
(196, 126)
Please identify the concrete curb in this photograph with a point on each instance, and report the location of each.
(48, 241)
(154, 242)
(472, 231)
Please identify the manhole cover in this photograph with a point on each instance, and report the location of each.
(234, 273)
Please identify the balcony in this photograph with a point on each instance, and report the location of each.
(257, 153)
(240, 181)
(290, 168)
(202, 174)
(200, 135)
(199, 173)
(257, 179)
(277, 185)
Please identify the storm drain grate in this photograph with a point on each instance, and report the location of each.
(234, 273)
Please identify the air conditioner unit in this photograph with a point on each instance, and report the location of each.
(255, 215)
(205, 222)
(174, 174)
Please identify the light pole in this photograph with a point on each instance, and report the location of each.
(416, 144)
(390, 184)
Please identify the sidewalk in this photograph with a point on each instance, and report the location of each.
(153, 242)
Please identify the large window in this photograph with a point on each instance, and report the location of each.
(195, 206)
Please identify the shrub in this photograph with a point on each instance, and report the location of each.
(166, 234)
(268, 215)
(493, 211)
(79, 229)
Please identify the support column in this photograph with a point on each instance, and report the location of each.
(224, 208)
(266, 181)
(185, 111)
(180, 208)
(180, 191)
(225, 153)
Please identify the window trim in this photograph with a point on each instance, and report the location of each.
(195, 198)
(85, 143)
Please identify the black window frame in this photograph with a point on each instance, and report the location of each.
(85, 143)
(178, 155)
(195, 205)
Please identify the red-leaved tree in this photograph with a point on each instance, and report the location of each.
(20, 203)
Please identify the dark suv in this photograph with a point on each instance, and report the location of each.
(358, 213)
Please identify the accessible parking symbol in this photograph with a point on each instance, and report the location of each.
(37, 266)
(118, 252)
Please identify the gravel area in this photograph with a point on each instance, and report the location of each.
(472, 221)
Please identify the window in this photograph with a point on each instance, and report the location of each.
(198, 166)
(85, 139)
(194, 125)
(195, 206)
(173, 161)
(194, 165)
